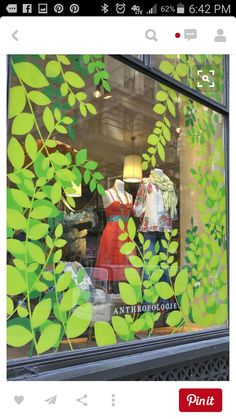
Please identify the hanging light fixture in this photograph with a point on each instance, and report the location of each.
(107, 95)
(97, 92)
(132, 172)
(77, 193)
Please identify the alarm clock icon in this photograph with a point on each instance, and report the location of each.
(120, 8)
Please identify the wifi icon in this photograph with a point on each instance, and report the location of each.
(153, 10)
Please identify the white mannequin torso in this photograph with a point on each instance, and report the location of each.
(111, 194)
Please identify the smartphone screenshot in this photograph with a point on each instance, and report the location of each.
(117, 161)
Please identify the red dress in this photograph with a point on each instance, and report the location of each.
(109, 256)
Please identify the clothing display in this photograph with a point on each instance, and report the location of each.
(168, 192)
(156, 202)
(109, 256)
(154, 237)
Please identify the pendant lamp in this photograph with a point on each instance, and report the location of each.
(132, 172)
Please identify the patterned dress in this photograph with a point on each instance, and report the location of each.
(149, 206)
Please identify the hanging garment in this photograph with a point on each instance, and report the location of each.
(168, 192)
(109, 256)
(150, 207)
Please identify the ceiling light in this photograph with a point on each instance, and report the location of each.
(132, 172)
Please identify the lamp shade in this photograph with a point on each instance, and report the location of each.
(132, 169)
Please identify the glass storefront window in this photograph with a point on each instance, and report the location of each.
(116, 207)
(203, 73)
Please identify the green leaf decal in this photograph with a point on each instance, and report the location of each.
(128, 294)
(36, 253)
(91, 108)
(173, 247)
(15, 281)
(56, 193)
(41, 312)
(136, 261)
(15, 247)
(39, 98)
(60, 159)
(171, 107)
(16, 154)
(41, 212)
(161, 152)
(161, 96)
(64, 59)
(30, 75)
(16, 220)
(74, 79)
(104, 334)
(159, 109)
(131, 228)
(22, 311)
(133, 277)
(174, 318)
(17, 101)
(53, 69)
(181, 282)
(38, 231)
(66, 175)
(173, 269)
(10, 306)
(127, 248)
(182, 69)
(31, 146)
(22, 124)
(70, 299)
(57, 256)
(164, 290)
(18, 336)
(58, 231)
(63, 282)
(185, 304)
(79, 321)
(120, 326)
(156, 275)
(48, 119)
(49, 337)
(20, 198)
(138, 325)
(166, 67)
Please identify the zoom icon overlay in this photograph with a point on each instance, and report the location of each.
(74, 8)
(58, 8)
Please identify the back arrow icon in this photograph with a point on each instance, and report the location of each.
(14, 35)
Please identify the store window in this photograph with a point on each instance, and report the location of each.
(203, 73)
(116, 207)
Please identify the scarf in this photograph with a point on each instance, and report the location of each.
(168, 192)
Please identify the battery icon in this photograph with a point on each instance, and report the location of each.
(180, 8)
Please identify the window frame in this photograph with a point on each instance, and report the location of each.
(30, 368)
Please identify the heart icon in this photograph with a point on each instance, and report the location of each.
(19, 399)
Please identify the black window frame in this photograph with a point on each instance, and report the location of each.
(53, 366)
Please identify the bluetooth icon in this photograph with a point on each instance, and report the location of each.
(105, 8)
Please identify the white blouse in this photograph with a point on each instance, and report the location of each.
(149, 206)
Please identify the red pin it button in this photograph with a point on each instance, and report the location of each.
(200, 400)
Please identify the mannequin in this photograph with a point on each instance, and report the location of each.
(117, 188)
(118, 205)
(155, 205)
